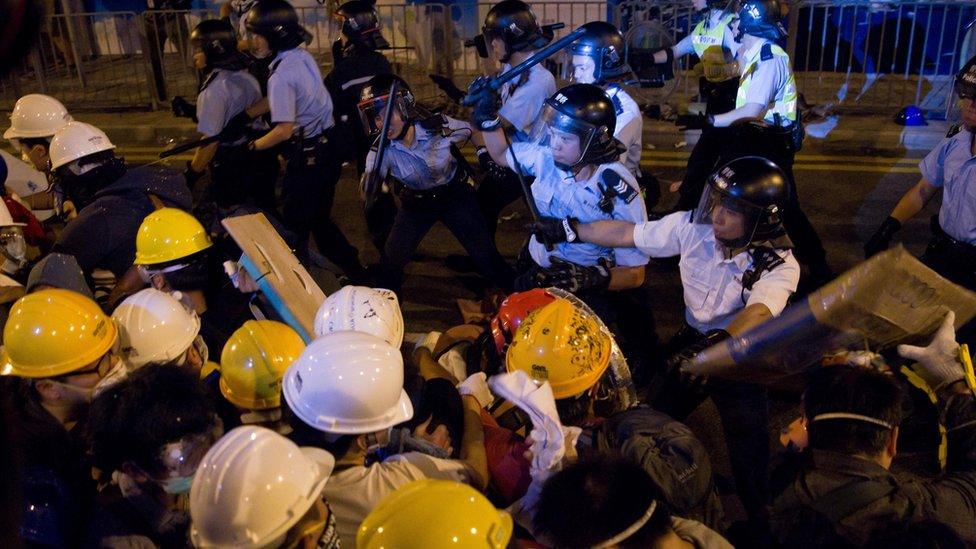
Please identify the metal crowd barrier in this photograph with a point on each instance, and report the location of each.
(862, 56)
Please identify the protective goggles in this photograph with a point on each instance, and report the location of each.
(181, 458)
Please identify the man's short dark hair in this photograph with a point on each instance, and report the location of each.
(852, 390)
(592, 501)
(574, 411)
(155, 405)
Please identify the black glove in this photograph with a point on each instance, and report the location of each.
(693, 121)
(237, 127)
(183, 108)
(191, 175)
(447, 86)
(489, 167)
(575, 278)
(551, 230)
(881, 238)
(484, 103)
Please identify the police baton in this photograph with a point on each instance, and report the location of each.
(372, 186)
(189, 146)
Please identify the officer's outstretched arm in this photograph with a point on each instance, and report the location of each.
(281, 132)
(753, 315)
(612, 234)
(749, 110)
(497, 146)
(914, 200)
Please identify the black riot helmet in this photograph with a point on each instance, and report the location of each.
(605, 45)
(513, 22)
(277, 21)
(218, 41)
(965, 81)
(586, 111)
(751, 186)
(361, 26)
(761, 18)
(376, 94)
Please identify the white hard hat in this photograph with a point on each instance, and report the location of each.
(36, 115)
(252, 487)
(372, 310)
(6, 220)
(77, 140)
(348, 383)
(154, 327)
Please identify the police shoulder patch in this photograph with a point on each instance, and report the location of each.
(625, 191)
(766, 53)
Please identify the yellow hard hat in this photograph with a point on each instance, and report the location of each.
(254, 360)
(435, 513)
(54, 332)
(169, 234)
(561, 344)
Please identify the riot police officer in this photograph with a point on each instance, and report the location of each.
(764, 123)
(510, 35)
(356, 59)
(578, 173)
(431, 183)
(713, 41)
(301, 114)
(736, 271)
(951, 166)
(227, 90)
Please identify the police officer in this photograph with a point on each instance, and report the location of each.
(111, 199)
(736, 271)
(713, 41)
(301, 114)
(227, 90)
(356, 59)
(578, 173)
(951, 166)
(767, 91)
(431, 184)
(509, 36)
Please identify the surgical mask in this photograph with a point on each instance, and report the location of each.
(177, 485)
(118, 372)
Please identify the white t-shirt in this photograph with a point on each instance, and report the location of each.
(352, 493)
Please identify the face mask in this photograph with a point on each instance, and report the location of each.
(115, 375)
(177, 485)
(374, 443)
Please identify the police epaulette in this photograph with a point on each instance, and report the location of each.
(953, 130)
(766, 53)
(208, 80)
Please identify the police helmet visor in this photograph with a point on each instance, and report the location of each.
(556, 125)
(371, 111)
(734, 220)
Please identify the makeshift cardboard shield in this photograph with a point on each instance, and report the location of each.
(889, 299)
(282, 279)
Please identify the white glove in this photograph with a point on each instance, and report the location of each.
(938, 364)
(476, 385)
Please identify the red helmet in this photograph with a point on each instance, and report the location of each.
(511, 312)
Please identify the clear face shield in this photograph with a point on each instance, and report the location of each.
(567, 137)
(371, 112)
(177, 461)
(14, 248)
(733, 221)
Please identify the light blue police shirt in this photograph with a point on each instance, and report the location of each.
(427, 162)
(225, 94)
(952, 166)
(296, 93)
(558, 194)
(522, 99)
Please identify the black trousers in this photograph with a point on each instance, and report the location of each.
(495, 194)
(308, 190)
(744, 413)
(245, 177)
(454, 205)
(717, 146)
(160, 27)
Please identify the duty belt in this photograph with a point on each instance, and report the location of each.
(433, 193)
(963, 252)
